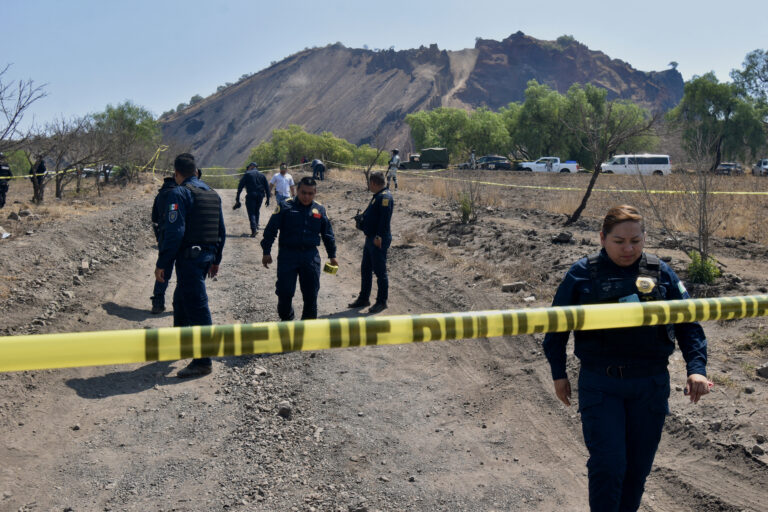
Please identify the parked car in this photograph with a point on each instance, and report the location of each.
(729, 168)
(760, 168)
(549, 164)
(637, 164)
(494, 162)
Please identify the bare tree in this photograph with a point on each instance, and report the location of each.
(15, 100)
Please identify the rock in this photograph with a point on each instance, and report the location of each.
(564, 237)
(529, 299)
(77, 280)
(763, 370)
(411, 478)
(25, 213)
(13, 216)
(758, 450)
(383, 478)
(454, 242)
(285, 410)
(513, 287)
(749, 390)
(76, 426)
(30, 232)
(68, 294)
(84, 266)
(666, 259)
(760, 438)
(260, 371)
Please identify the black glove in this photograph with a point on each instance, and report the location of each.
(237, 205)
(358, 220)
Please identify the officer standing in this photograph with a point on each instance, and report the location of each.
(394, 165)
(256, 189)
(158, 216)
(375, 224)
(302, 222)
(193, 237)
(5, 178)
(624, 381)
(318, 169)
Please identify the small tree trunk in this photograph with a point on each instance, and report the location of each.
(576, 214)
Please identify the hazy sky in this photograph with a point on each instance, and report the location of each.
(160, 53)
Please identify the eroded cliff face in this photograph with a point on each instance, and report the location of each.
(362, 95)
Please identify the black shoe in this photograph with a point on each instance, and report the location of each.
(158, 305)
(359, 303)
(195, 369)
(377, 308)
(253, 234)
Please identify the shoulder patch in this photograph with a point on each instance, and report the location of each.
(173, 215)
(385, 201)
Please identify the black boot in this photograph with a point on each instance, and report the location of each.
(158, 304)
(359, 303)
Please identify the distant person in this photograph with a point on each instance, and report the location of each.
(158, 216)
(5, 178)
(623, 381)
(256, 189)
(318, 169)
(472, 160)
(283, 185)
(37, 176)
(394, 165)
(375, 224)
(193, 238)
(302, 223)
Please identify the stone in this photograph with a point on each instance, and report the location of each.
(564, 237)
(760, 438)
(454, 242)
(78, 280)
(529, 299)
(763, 370)
(284, 409)
(758, 450)
(13, 216)
(68, 294)
(749, 390)
(666, 259)
(25, 213)
(513, 287)
(76, 426)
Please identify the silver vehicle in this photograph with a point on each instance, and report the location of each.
(761, 168)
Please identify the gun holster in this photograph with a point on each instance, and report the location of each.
(358, 220)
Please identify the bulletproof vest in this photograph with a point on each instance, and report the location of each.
(203, 226)
(643, 287)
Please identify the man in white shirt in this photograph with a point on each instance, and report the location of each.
(282, 184)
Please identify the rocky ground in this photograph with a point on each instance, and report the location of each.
(461, 425)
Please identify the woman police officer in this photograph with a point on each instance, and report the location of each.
(623, 382)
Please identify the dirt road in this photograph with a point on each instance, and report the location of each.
(464, 425)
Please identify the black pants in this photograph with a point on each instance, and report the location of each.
(252, 206)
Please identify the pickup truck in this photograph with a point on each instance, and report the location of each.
(549, 164)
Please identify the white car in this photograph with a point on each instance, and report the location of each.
(760, 168)
(637, 164)
(549, 164)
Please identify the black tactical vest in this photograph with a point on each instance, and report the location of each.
(203, 221)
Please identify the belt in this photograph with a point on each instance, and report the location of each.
(626, 372)
(298, 247)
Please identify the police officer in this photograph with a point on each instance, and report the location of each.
(193, 236)
(623, 382)
(5, 178)
(394, 165)
(256, 189)
(302, 222)
(375, 225)
(158, 211)
(318, 169)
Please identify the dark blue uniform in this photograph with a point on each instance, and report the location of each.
(256, 189)
(318, 169)
(158, 209)
(190, 300)
(376, 223)
(301, 228)
(624, 382)
(5, 175)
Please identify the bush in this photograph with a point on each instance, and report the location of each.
(702, 270)
(466, 208)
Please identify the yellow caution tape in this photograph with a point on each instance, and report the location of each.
(139, 345)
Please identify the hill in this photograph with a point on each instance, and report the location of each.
(357, 94)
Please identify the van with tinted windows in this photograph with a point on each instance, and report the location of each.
(637, 164)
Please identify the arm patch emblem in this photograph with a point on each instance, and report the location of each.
(385, 201)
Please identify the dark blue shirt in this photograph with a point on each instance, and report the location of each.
(300, 227)
(174, 217)
(255, 184)
(159, 205)
(627, 346)
(378, 214)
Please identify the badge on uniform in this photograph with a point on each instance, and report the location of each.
(385, 201)
(316, 213)
(645, 284)
(173, 212)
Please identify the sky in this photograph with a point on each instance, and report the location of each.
(160, 53)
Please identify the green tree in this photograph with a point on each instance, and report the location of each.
(753, 77)
(540, 130)
(441, 127)
(601, 127)
(195, 99)
(486, 132)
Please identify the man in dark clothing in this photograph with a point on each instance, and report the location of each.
(158, 294)
(37, 176)
(256, 189)
(378, 237)
(193, 236)
(5, 178)
(302, 222)
(318, 169)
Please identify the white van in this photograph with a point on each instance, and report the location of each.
(638, 164)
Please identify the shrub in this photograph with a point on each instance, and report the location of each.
(702, 270)
(466, 208)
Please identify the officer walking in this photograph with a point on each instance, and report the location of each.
(394, 165)
(375, 224)
(318, 169)
(302, 222)
(5, 178)
(624, 381)
(158, 218)
(256, 189)
(193, 237)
